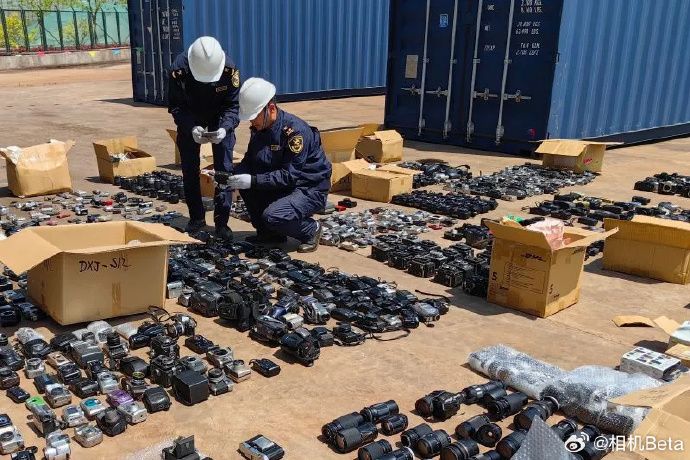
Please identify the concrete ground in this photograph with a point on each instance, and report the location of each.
(86, 104)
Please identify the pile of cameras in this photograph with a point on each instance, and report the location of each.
(435, 172)
(358, 430)
(520, 182)
(80, 207)
(14, 305)
(351, 231)
(459, 206)
(665, 184)
(591, 211)
(274, 297)
(457, 265)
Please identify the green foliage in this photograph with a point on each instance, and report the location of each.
(15, 32)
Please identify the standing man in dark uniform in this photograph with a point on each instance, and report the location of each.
(203, 98)
(285, 176)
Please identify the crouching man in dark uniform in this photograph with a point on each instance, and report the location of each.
(285, 176)
(203, 98)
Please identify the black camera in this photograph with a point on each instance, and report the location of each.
(182, 449)
(10, 316)
(260, 447)
(163, 368)
(68, 373)
(301, 345)
(268, 329)
(234, 308)
(111, 422)
(61, 342)
(131, 364)
(205, 303)
(84, 388)
(345, 335)
(199, 344)
(156, 399)
(323, 335)
(8, 378)
(164, 345)
(17, 394)
(439, 404)
(190, 387)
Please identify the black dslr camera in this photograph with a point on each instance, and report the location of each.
(268, 329)
(301, 345)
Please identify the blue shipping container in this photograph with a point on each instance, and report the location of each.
(502, 74)
(308, 48)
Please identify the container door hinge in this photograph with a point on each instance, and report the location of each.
(438, 92)
(486, 95)
(413, 90)
(518, 96)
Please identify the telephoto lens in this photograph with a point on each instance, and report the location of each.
(506, 406)
(375, 450)
(393, 424)
(404, 453)
(468, 429)
(489, 455)
(488, 435)
(464, 449)
(410, 437)
(474, 393)
(375, 413)
(346, 421)
(542, 409)
(439, 404)
(565, 428)
(350, 439)
(511, 443)
(430, 445)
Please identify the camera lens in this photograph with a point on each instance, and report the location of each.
(475, 393)
(400, 454)
(3, 340)
(492, 395)
(463, 449)
(431, 444)
(468, 429)
(506, 406)
(488, 435)
(410, 437)
(490, 455)
(393, 424)
(565, 428)
(113, 339)
(376, 412)
(215, 374)
(425, 405)
(511, 443)
(542, 409)
(350, 439)
(375, 450)
(346, 421)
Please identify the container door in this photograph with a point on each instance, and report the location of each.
(514, 56)
(422, 68)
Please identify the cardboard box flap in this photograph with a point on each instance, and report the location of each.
(654, 230)
(587, 240)
(567, 147)
(104, 148)
(42, 156)
(518, 234)
(26, 249)
(163, 231)
(387, 136)
(399, 170)
(667, 325)
(632, 321)
(677, 392)
(336, 140)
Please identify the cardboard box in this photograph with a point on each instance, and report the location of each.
(206, 152)
(398, 170)
(379, 185)
(341, 178)
(208, 187)
(88, 272)
(668, 420)
(576, 155)
(527, 275)
(381, 147)
(39, 170)
(649, 247)
(339, 144)
(137, 162)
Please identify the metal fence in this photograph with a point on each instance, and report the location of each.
(23, 31)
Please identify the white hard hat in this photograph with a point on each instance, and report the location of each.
(255, 94)
(206, 59)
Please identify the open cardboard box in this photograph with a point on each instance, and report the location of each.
(206, 151)
(668, 420)
(649, 247)
(576, 155)
(87, 272)
(381, 147)
(39, 170)
(528, 275)
(137, 162)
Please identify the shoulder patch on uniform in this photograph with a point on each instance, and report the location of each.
(236, 78)
(296, 143)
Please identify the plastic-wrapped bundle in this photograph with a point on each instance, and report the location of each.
(541, 442)
(516, 369)
(584, 393)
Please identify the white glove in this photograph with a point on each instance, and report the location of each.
(220, 135)
(197, 134)
(240, 182)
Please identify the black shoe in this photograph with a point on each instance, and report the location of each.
(266, 238)
(194, 226)
(313, 244)
(224, 233)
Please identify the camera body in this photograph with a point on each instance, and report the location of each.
(43, 418)
(218, 382)
(11, 440)
(107, 382)
(57, 446)
(8, 378)
(347, 336)
(162, 345)
(219, 357)
(88, 436)
(238, 371)
(92, 407)
(268, 329)
(134, 412)
(156, 399)
(199, 344)
(111, 422)
(84, 352)
(163, 368)
(301, 345)
(261, 448)
(57, 395)
(73, 416)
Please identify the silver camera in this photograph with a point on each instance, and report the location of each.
(73, 416)
(11, 440)
(92, 407)
(34, 367)
(43, 418)
(57, 395)
(393, 322)
(134, 412)
(57, 446)
(107, 382)
(426, 312)
(100, 329)
(238, 371)
(194, 363)
(174, 289)
(84, 352)
(219, 357)
(218, 382)
(293, 320)
(88, 435)
(314, 311)
(261, 448)
(56, 359)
